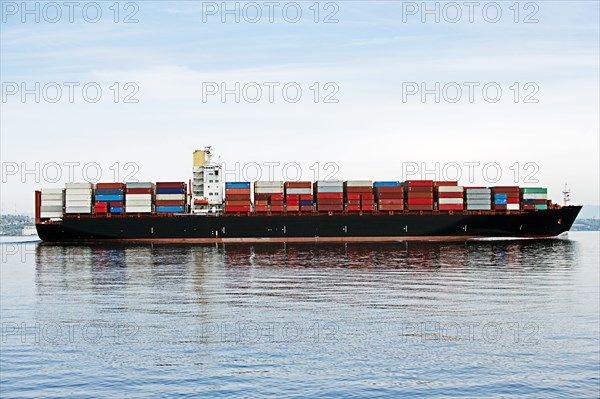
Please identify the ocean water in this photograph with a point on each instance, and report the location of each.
(429, 320)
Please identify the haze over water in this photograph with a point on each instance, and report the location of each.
(474, 319)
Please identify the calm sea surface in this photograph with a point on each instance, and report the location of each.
(477, 319)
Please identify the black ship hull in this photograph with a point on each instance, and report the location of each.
(313, 228)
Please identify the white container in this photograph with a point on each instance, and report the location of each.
(450, 189)
(478, 197)
(268, 190)
(50, 215)
(450, 201)
(138, 209)
(138, 197)
(268, 183)
(51, 208)
(138, 203)
(170, 197)
(52, 197)
(479, 202)
(78, 198)
(513, 207)
(139, 185)
(78, 209)
(78, 191)
(330, 189)
(330, 183)
(359, 183)
(478, 207)
(479, 191)
(52, 202)
(535, 196)
(79, 185)
(52, 191)
(298, 191)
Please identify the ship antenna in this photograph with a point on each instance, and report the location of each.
(566, 194)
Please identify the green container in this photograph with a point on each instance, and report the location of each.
(536, 190)
(541, 206)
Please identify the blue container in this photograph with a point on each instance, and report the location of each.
(500, 201)
(170, 191)
(116, 209)
(386, 184)
(306, 203)
(108, 198)
(170, 208)
(501, 196)
(237, 185)
(529, 201)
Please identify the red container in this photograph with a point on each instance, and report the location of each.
(169, 203)
(390, 202)
(420, 201)
(330, 201)
(278, 197)
(276, 208)
(306, 197)
(451, 207)
(512, 200)
(390, 196)
(500, 207)
(293, 208)
(110, 185)
(354, 190)
(237, 208)
(276, 203)
(138, 191)
(170, 184)
(293, 197)
(330, 195)
(541, 202)
(306, 208)
(298, 184)
(370, 208)
(445, 183)
(396, 207)
(450, 195)
(385, 189)
(353, 202)
(353, 207)
(116, 203)
(237, 203)
(420, 189)
(261, 203)
(100, 204)
(353, 196)
(237, 191)
(243, 197)
(261, 208)
(420, 195)
(527, 206)
(327, 208)
(419, 183)
(369, 196)
(419, 207)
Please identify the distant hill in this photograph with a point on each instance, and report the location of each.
(589, 212)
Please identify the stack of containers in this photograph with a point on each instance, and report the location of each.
(534, 198)
(237, 197)
(449, 196)
(268, 196)
(170, 197)
(419, 194)
(389, 195)
(139, 197)
(53, 202)
(298, 196)
(329, 195)
(109, 197)
(357, 192)
(506, 198)
(478, 198)
(78, 197)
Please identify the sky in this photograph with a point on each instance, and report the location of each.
(493, 93)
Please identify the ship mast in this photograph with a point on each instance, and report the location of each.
(566, 194)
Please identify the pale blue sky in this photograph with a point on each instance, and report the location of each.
(369, 53)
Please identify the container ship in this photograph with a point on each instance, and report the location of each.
(207, 209)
